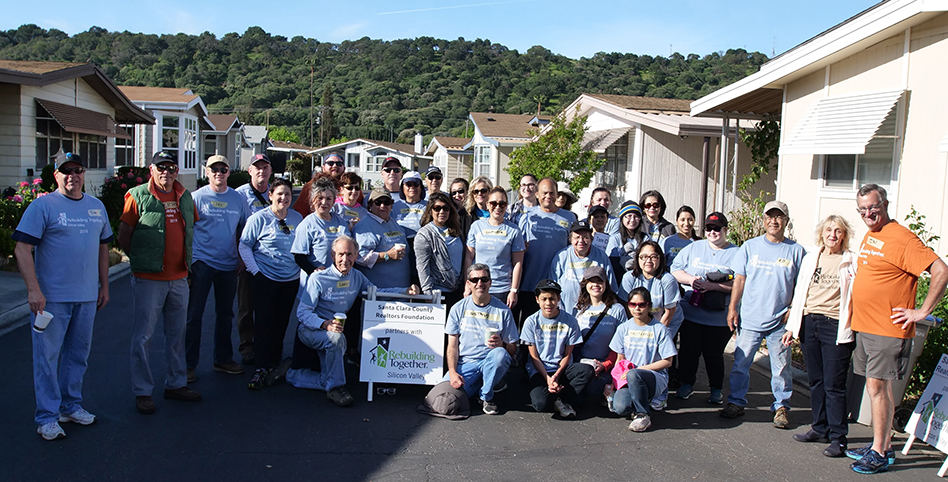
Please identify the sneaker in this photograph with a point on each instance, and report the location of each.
(340, 397)
(717, 396)
(278, 373)
(658, 405)
(837, 448)
(564, 409)
(732, 411)
(145, 405)
(51, 431)
(685, 391)
(862, 451)
(81, 416)
(192, 377)
(871, 463)
(229, 367)
(184, 394)
(501, 386)
(490, 408)
(640, 422)
(780, 418)
(810, 436)
(256, 382)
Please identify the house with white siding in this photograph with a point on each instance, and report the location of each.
(365, 157)
(256, 142)
(449, 155)
(495, 137)
(48, 106)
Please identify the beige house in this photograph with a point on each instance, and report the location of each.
(495, 137)
(48, 106)
(864, 101)
(449, 155)
(225, 136)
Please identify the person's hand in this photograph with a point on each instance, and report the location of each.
(494, 341)
(332, 325)
(906, 316)
(733, 320)
(241, 267)
(599, 368)
(103, 298)
(699, 284)
(393, 253)
(37, 301)
(787, 338)
(353, 222)
(511, 300)
(414, 290)
(552, 386)
(457, 381)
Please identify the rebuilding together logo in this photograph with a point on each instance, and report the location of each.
(384, 357)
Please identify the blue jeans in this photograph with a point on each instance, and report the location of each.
(170, 300)
(331, 347)
(60, 358)
(481, 375)
(827, 366)
(781, 379)
(225, 289)
(637, 395)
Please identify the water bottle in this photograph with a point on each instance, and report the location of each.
(609, 393)
(695, 299)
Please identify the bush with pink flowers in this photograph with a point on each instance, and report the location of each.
(113, 189)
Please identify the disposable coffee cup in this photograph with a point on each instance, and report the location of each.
(340, 318)
(490, 332)
(41, 321)
(401, 246)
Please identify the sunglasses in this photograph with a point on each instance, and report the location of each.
(413, 184)
(440, 208)
(166, 168)
(478, 192)
(283, 226)
(713, 229)
(459, 192)
(392, 169)
(334, 163)
(350, 187)
(383, 202)
(496, 204)
(220, 170)
(434, 177)
(72, 170)
(652, 205)
(642, 304)
(482, 279)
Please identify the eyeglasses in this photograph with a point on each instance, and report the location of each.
(713, 229)
(350, 187)
(385, 391)
(166, 168)
(529, 184)
(459, 192)
(283, 226)
(870, 209)
(646, 257)
(482, 279)
(434, 177)
(440, 208)
(413, 184)
(72, 170)
(643, 304)
(383, 202)
(334, 163)
(392, 169)
(652, 205)
(497, 204)
(478, 192)
(220, 170)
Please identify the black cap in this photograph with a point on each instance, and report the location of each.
(260, 157)
(715, 219)
(597, 209)
(69, 157)
(163, 156)
(547, 285)
(581, 225)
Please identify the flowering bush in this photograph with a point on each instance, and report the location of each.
(12, 207)
(113, 189)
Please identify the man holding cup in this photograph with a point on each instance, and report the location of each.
(69, 233)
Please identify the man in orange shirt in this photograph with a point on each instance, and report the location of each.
(156, 229)
(891, 258)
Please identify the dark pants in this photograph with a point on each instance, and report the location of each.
(636, 397)
(245, 314)
(526, 306)
(827, 365)
(272, 305)
(225, 288)
(573, 380)
(698, 340)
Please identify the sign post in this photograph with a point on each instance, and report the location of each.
(402, 342)
(929, 420)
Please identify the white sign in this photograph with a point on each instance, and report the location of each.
(930, 418)
(402, 343)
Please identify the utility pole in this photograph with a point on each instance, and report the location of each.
(311, 69)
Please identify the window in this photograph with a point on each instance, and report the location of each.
(441, 160)
(239, 139)
(179, 136)
(189, 146)
(210, 146)
(849, 171)
(92, 150)
(374, 163)
(125, 148)
(617, 157)
(352, 159)
(482, 161)
(50, 138)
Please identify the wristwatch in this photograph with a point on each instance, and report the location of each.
(385, 256)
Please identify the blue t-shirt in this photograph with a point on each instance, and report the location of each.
(455, 250)
(551, 337)
(66, 234)
(699, 259)
(373, 235)
(567, 269)
(329, 292)
(672, 245)
(546, 234)
(315, 235)
(255, 203)
(771, 270)
(408, 216)
(349, 212)
(470, 322)
(665, 295)
(271, 245)
(642, 345)
(598, 345)
(612, 225)
(221, 217)
(494, 246)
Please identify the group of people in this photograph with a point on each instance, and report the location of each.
(616, 309)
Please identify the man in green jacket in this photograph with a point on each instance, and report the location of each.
(156, 229)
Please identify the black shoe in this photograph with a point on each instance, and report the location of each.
(256, 382)
(144, 404)
(835, 449)
(184, 393)
(810, 436)
(278, 373)
(500, 386)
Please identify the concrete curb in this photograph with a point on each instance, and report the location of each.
(20, 314)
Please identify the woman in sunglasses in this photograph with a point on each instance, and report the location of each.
(651, 273)
(383, 247)
(439, 249)
(704, 333)
(476, 204)
(646, 349)
(349, 202)
(265, 250)
(499, 245)
(458, 192)
(653, 206)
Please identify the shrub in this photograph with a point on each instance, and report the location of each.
(12, 209)
(238, 178)
(113, 189)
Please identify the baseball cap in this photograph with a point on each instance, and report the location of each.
(715, 219)
(433, 170)
(581, 225)
(447, 402)
(260, 158)
(547, 285)
(163, 156)
(379, 193)
(216, 159)
(389, 160)
(69, 157)
(595, 272)
(779, 205)
(411, 176)
(597, 209)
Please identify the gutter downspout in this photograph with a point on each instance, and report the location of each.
(722, 167)
(703, 196)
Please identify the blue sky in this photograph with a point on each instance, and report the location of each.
(572, 28)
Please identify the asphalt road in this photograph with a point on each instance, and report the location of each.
(284, 433)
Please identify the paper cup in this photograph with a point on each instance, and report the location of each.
(401, 246)
(41, 321)
(490, 332)
(340, 318)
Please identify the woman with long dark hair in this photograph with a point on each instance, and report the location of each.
(599, 311)
(653, 206)
(632, 232)
(685, 222)
(439, 249)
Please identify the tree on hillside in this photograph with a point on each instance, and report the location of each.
(327, 123)
(280, 133)
(558, 154)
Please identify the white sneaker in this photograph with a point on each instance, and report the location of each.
(81, 416)
(564, 409)
(640, 422)
(51, 431)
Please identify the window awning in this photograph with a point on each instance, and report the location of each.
(841, 125)
(599, 141)
(82, 121)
